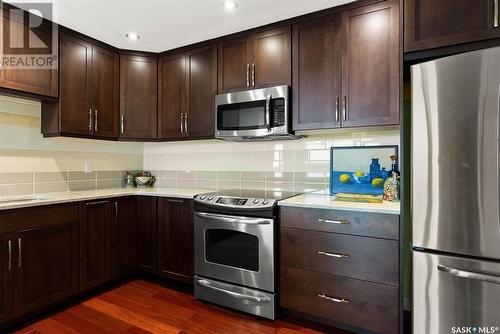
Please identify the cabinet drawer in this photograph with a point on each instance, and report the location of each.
(348, 222)
(361, 304)
(363, 258)
(45, 215)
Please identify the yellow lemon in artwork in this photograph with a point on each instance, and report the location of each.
(345, 178)
(378, 182)
(359, 173)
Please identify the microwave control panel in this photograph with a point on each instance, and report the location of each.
(278, 112)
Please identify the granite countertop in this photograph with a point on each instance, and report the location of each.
(322, 200)
(77, 196)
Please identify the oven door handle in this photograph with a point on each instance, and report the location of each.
(233, 220)
(233, 294)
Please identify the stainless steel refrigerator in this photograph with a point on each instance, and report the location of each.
(455, 194)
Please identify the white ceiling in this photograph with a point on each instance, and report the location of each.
(167, 24)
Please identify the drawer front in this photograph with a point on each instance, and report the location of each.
(37, 216)
(363, 258)
(348, 222)
(356, 303)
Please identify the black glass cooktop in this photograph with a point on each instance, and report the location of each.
(247, 193)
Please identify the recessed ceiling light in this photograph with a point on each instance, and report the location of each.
(132, 36)
(229, 4)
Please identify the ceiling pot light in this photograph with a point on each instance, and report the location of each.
(132, 36)
(229, 4)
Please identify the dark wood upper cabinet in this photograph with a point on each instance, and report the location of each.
(255, 61)
(176, 238)
(105, 94)
(36, 81)
(124, 236)
(88, 101)
(147, 239)
(172, 97)
(201, 65)
(317, 74)
(346, 69)
(431, 24)
(370, 66)
(138, 97)
(95, 243)
(187, 88)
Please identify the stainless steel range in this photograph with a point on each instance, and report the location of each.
(235, 258)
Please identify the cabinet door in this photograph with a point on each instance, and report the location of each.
(147, 251)
(370, 65)
(138, 97)
(7, 244)
(124, 236)
(176, 238)
(273, 55)
(46, 267)
(430, 23)
(95, 245)
(37, 81)
(235, 58)
(172, 97)
(105, 88)
(201, 91)
(75, 85)
(316, 74)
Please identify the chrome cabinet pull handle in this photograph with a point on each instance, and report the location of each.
(337, 102)
(96, 203)
(116, 212)
(185, 122)
(248, 75)
(122, 123)
(9, 263)
(333, 299)
(345, 108)
(20, 249)
(469, 274)
(337, 255)
(95, 120)
(175, 200)
(90, 120)
(182, 122)
(253, 74)
(323, 220)
(495, 14)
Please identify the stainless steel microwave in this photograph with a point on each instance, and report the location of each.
(259, 114)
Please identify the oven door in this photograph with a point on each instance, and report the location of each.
(235, 249)
(253, 113)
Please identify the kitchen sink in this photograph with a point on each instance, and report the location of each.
(21, 199)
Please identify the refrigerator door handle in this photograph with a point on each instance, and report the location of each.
(469, 274)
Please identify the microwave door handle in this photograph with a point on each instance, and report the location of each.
(268, 113)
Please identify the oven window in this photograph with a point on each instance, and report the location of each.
(232, 248)
(242, 116)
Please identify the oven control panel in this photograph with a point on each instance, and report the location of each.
(235, 202)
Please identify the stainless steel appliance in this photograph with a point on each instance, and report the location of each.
(235, 258)
(259, 114)
(455, 193)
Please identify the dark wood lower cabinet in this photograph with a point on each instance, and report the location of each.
(176, 238)
(123, 236)
(147, 249)
(95, 245)
(6, 277)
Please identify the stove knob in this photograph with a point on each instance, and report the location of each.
(210, 198)
(202, 197)
(265, 202)
(255, 201)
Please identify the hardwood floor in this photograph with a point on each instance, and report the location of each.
(140, 306)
